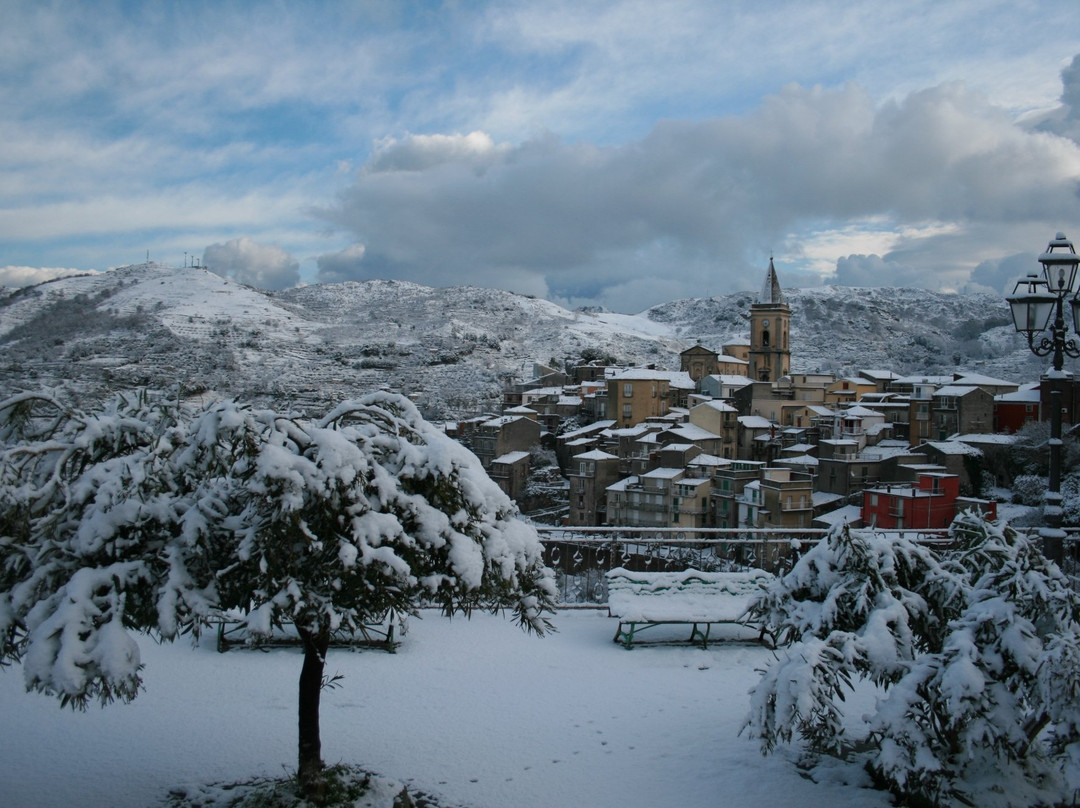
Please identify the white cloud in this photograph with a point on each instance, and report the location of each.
(942, 178)
(266, 267)
(611, 153)
(17, 277)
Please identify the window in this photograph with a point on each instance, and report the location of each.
(628, 390)
(627, 412)
(765, 338)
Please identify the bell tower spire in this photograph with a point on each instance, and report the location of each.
(770, 331)
(771, 292)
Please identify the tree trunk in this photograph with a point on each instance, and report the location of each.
(310, 748)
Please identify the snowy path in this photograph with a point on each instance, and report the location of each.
(473, 710)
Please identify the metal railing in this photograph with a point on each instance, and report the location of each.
(581, 556)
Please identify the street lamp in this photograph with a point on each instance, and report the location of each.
(1037, 306)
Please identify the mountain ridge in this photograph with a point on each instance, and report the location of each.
(453, 348)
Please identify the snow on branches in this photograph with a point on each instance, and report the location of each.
(972, 654)
(154, 516)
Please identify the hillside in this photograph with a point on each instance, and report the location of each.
(454, 348)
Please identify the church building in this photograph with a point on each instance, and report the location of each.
(770, 332)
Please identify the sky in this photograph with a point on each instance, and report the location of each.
(618, 154)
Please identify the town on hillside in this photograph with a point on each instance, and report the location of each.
(734, 439)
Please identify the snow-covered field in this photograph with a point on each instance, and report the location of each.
(474, 711)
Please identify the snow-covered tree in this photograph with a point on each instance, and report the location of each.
(150, 516)
(1070, 499)
(973, 653)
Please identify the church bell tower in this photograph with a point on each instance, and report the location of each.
(770, 332)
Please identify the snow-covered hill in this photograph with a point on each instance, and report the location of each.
(454, 348)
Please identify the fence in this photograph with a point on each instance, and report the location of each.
(581, 556)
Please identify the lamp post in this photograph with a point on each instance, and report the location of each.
(1038, 307)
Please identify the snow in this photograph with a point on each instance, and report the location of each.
(474, 710)
(683, 596)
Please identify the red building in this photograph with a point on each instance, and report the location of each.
(932, 503)
(1013, 410)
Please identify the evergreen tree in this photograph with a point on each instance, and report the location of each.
(153, 517)
(974, 650)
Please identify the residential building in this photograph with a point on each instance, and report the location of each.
(511, 473)
(1013, 411)
(663, 497)
(783, 499)
(729, 482)
(579, 440)
(507, 433)
(590, 474)
(721, 419)
(960, 408)
(930, 504)
(881, 379)
(706, 440)
(956, 457)
(723, 386)
(637, 394)
(848, 390)
(759, 438)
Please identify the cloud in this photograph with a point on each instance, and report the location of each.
(266, 267)
(129, 128)
(14, 277)
(698, 205)
(999, 275)
(345, 265)
(1064, 119)
(873, 270)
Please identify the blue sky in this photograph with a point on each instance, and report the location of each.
(618, 153)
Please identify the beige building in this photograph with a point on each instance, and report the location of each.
(770, 332)
(849, 390)
(739, 349)
(637, 394)
(719, 418)
(664, 497)
(782, 498)
(699, 362)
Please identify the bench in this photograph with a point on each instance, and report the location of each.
(233, 631)
(644, 600)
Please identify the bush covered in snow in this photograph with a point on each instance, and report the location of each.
(1029, 489)
(149, 515)
(974, 654)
